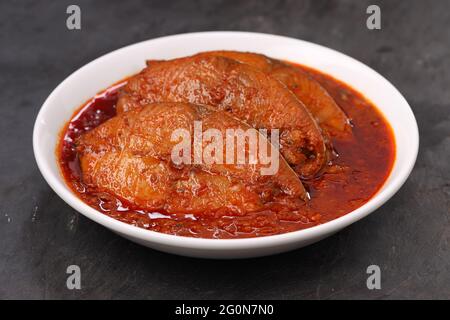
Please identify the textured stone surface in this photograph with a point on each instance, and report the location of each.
(409, 237)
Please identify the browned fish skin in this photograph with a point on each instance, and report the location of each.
(129, 156)
(322, 106)
(242, 90)
(310, 92)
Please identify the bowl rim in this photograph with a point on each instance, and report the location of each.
(378, 199)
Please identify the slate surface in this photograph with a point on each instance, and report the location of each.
(40, 235)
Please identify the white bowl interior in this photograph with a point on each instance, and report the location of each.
(101, 73)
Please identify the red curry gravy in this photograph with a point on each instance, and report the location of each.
(361, 164)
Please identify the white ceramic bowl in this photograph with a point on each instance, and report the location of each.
(104, 71)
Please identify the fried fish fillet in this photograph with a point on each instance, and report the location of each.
(322, 106)
(131, 157)
(243, 91)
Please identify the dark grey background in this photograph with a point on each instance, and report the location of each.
(40, 235)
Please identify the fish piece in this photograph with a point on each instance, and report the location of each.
(322, 106)
(131, 157)
(237, 88)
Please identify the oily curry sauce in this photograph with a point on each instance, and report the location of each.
(361, 163)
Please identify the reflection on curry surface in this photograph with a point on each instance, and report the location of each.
(336, 150)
